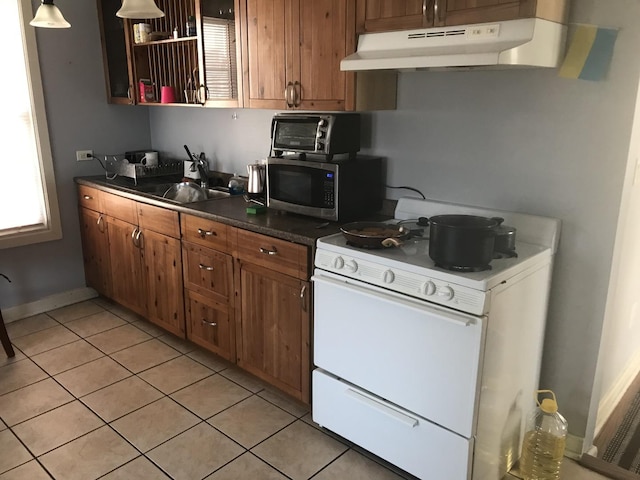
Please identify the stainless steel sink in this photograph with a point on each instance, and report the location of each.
(183, 192)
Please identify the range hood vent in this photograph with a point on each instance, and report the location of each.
(532, 42)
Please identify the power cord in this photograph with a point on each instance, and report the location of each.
(106, 173)
(409, 188)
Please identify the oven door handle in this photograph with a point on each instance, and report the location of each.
(379, 294)
(381, 407)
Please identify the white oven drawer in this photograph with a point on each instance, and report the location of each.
(416, 355)
(400, 437)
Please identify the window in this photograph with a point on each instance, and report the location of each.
(28, 200)
(220, 57)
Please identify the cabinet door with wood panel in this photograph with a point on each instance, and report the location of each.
(274, 329)
(127, 274)
(95, 250)
(293, 50)
(387, 15)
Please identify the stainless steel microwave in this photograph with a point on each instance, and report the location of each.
(336, 191)
(315, 133)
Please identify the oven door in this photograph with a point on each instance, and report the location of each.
(421, 357)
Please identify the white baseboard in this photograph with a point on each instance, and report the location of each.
(609, 401)
(48, 303)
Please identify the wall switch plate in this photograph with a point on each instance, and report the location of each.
(82, 155)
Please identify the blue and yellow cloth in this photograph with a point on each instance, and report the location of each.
(589, 54)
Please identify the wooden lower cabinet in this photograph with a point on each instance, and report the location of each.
(274, 328)
(210, 324)
(95, 251)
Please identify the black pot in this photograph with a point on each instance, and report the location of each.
(463, 241)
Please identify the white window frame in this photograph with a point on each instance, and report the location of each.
(51, 229)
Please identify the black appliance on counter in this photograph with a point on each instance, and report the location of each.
(335, 190)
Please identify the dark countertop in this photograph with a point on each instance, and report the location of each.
(231, 211)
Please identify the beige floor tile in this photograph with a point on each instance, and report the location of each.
(12, 452)
(140, 468)
(209, 359)
(67, 357)
(44, 340)
(124, 313)
(57, 427)
(178, 343)
(75, 311)
(32, 400)
(96, 323)
(355, 466)
(299, 450)
(195, 453)
(244, 467)
(175, 374)
(118, 338)
(149, 328)
(244, 379)
(4, 360)
(145, 355)
(28, 471)
(149, 426)
(92, 376)
(251, 421)
(3, 425)
(19, 374)
(122, 397)
(89, 456)
(103, 302)
(210, 396)
(281, 400)
(29, 325)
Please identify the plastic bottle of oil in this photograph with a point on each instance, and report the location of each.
(544, 442)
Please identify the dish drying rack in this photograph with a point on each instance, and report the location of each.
(121, 167)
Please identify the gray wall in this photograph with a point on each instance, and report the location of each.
(523, 140)
(79, 118)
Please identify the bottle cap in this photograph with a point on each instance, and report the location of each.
(549, 405)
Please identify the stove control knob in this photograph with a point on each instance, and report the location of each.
(446, 293)
(388, 276)
(351, 265)
(429, 288)
(338, 263)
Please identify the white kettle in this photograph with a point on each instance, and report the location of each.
(257, 173)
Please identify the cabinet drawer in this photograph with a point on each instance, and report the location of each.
(120, 207)
(207, 271)
(210, 325)
(90, 198)
(159, 220)
(207, 233)
(285, 257)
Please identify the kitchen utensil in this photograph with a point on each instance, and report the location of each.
(505, 239)
(192, 157)
(257, 174)
(374, 234)
(462, 241)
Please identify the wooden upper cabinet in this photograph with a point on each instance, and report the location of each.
(293, 49)
(116, 53)
(387, 15)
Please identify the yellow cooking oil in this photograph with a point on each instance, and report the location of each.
(544, 441)
(542, 454)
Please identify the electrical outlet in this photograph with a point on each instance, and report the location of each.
(82, 155)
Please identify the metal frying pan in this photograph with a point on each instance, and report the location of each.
(374, 234)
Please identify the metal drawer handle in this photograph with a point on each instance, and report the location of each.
(139, 238)
(87, 197)
(297, 93)
(211, 324)
(266, 251)
(206, 233)
(100, 223)
(303, 291)
(205, 267)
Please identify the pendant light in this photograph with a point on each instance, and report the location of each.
(139, 9)
(48, 16)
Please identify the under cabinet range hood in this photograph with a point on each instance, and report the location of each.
(531, 42)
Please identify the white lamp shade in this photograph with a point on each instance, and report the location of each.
(48, 16)
(139, 9)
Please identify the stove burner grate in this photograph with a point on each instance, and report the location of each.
(462, 269)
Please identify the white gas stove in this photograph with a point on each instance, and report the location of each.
(431, 369)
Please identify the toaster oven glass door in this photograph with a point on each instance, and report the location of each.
(301, 185)
(295, 134)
